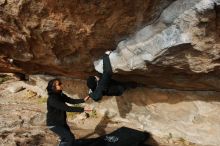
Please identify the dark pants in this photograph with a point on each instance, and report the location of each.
(116, 88)
(66, 136)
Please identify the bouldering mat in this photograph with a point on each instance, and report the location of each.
(121, 137)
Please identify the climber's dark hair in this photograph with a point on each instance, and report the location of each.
(91, 83)
(51, 87)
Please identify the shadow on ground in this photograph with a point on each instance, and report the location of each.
(123, 136)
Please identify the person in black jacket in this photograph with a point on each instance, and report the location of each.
(105, 85)
(56, 112)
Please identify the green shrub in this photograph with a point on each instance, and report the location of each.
(42, 100)
(93, 114)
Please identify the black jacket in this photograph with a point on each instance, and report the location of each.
(57, 108)
(106, 85)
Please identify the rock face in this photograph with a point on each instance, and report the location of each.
(179, 44)
(181, 49)
(171, 114)
(176, 42)
(65, 37)
(161, 43)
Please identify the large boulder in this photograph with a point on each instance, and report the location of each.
(180, 49)
(167, 44)
(65, 37)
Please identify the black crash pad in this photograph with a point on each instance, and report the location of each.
(121, 137)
